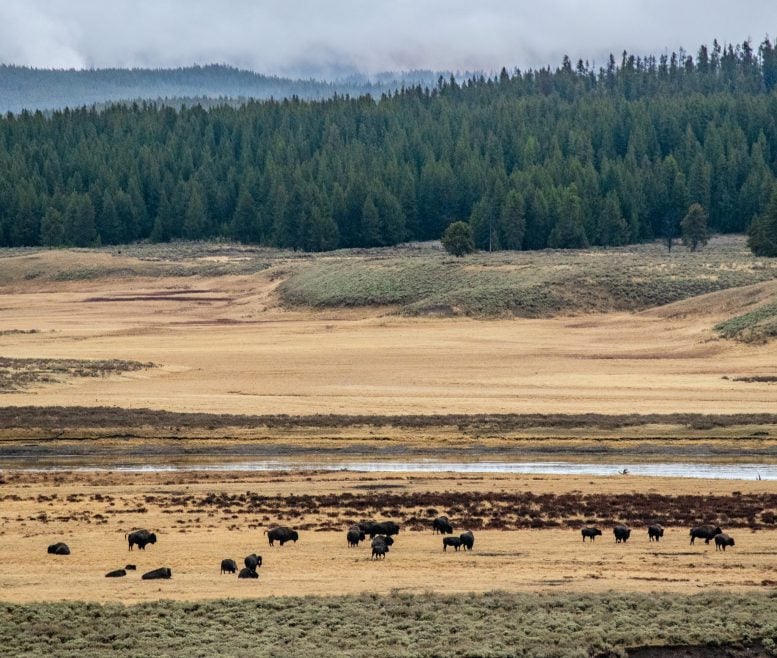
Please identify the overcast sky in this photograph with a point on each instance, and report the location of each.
(331, 36)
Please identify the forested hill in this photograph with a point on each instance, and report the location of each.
(23, 88)
(564, 158)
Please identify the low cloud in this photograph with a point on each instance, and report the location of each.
(334, 37)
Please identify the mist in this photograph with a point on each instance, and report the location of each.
(332, 38)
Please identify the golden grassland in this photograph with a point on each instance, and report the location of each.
(92, 511)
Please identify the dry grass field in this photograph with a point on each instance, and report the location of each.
(203, 517)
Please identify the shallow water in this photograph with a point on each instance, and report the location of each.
(668, 469)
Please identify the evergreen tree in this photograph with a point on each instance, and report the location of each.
(457, 239)
(195, 219)
(762, 234)
(613, 229)
(109, 226)
(512, 222)
(694, 227)
(52, 228)
(244, 222)
(80, 229)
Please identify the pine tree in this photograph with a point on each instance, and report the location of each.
(52, 228)
(244, 221)
(109, 227)
(613, 229)
(457, 239)
(694, 227)
(762, 234)
(195, 219)
(80, 229)
(512, 222)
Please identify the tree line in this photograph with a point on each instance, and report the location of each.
(565, 157)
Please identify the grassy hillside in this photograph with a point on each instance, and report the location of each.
(494, 624)
(756, 326)
(525, 284)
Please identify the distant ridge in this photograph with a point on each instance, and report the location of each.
(23, 88)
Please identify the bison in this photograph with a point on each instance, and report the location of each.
(380, 546)
(387, 528)
(722, 540)
(281, 534)
(130, 567)
(467, 540)
(442, 525)
(228, 566)
(354, 535)
(142, 538)
(705, 532)
(156, 574)
(245, 572)
(253, 561)
(451, 541)
(622, 533)
(655, 532)
(60, 548)
(116, 573)
(591, 533)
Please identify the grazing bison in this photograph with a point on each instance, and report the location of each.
(117, 573)
(60, 548)
(451, 541)
(141, 538)
(467, 540)
(442, 525)
(245, 572)
(366, 526)
(228, 566)
(722, 540)
(253, 561)
(130, 567)
(622, 533)
(591, 533)
(355, 535)
(387, 528)
(380, 546)
(655, 532)
(705, 532)
(281, 534)
(156, 574)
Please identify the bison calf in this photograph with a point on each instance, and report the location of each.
(591, 533)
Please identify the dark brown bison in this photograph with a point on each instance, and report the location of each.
(366, 526)
(354, 535)
(130, 567)
(156, 574)
(451, 541)
(142, 538)
(228, 566)
(622, 533)
(591, 533)
(60, 548)
(655, 532)
(705, 532)
(722, 540)
(281, 534)
(245, 572)
(387, 528)
(380, 546)
(442, 525)
(467, 540)
(253, 561)
(117, 573)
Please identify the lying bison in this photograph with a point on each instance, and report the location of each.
(228, 566)
(380, 546)
(705, 532)
(467, 540)
(722, 540)
(281, 534)
(442, 525)
(622, 533)
(386, 528)
(253, 561)
(354, 535)
(130, 567)
(60, 548)
(451, 541)
(142, 538)
(116, 573)
(245, 572)
(655, 532)
(591, 533)
(156, 574)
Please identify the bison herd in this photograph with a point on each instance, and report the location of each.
(381, 534)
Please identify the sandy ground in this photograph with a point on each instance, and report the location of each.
(321, 563)
(223, 345)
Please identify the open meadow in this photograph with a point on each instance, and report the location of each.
(199, 354)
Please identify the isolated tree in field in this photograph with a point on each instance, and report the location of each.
(762, 235)
(457, 239)
(694, 227)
